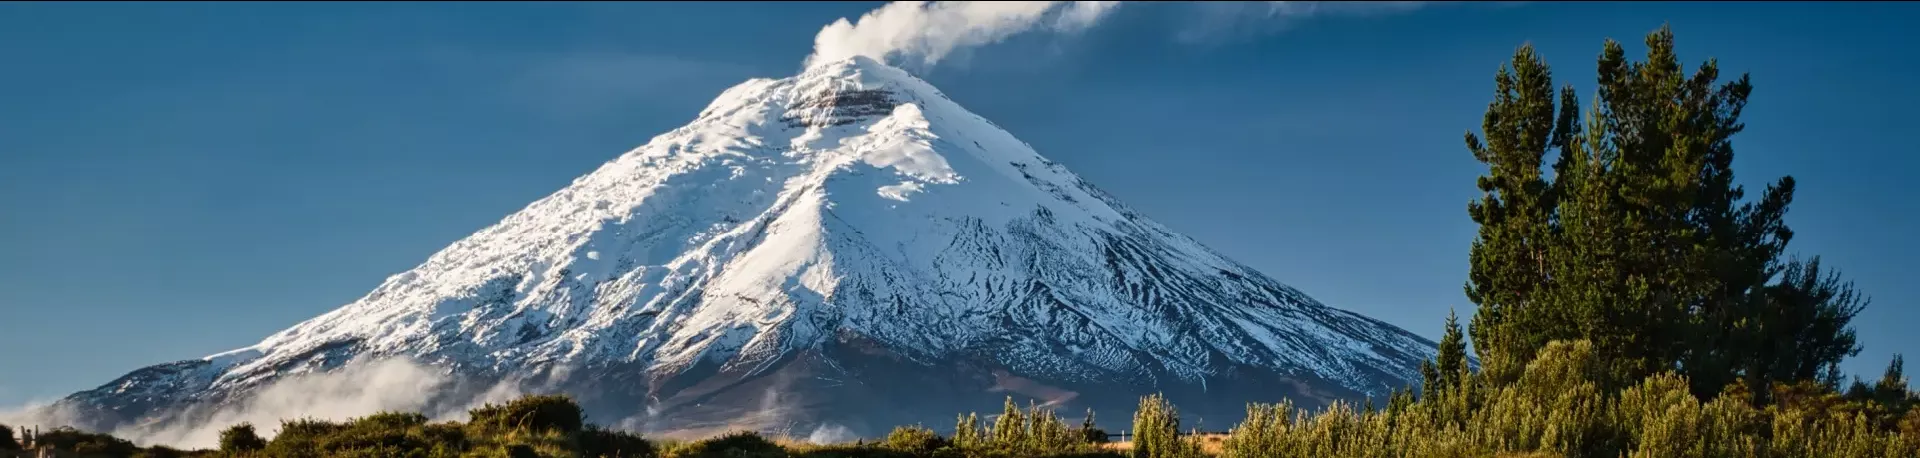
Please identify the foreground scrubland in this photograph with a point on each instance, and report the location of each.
(1549, 407)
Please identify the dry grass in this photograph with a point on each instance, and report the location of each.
(1212, 447)
(1209, 443)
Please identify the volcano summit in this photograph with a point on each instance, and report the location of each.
(843, 247)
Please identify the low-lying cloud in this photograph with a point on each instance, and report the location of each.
(930, 31)
(368, 386)
(356, 389)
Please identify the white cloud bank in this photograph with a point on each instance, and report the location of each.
(357, 389)
(364, 387)
(929, 31)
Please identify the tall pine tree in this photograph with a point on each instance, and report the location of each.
(1509, 269)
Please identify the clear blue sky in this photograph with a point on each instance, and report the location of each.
(178, 179)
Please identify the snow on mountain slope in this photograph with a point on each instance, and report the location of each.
(850, 200)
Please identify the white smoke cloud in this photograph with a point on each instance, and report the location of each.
(931, 31)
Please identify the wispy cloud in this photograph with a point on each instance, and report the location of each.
(1228, 20)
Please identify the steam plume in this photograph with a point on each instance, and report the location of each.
(932, 30)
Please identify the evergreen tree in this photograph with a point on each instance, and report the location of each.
(1803, 332)
(1451, 358)
(1400, 400)
(7, 441)
(1429, 379)
(1891, 390)
(1640, 242)
(1508, 259)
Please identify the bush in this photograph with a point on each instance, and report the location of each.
(300, 438)
(521, 451)
(1261, 434)
(160, 451)
(915, 439)
(445, 438)
(595, 442)
(1910, 424)
(241, 439)
(858, 451)
(732, 445)
(1156, 431)
(966, 432)
(531, 413)
(65, 438)
(390, 420)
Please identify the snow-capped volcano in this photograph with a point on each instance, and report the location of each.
(847, 243)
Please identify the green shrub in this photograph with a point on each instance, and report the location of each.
(521, 451)
(390, 420)
(531, 413)
(595, 442)
(1261, 434)
(66, 438)
(444, 439)
(300, 438)
(1156, 431)
(241, 439)
(915, 439)
(1010, 429)
(865, 451)
(966, 432)
(1910, 424)
(732, 445)
(159, 451)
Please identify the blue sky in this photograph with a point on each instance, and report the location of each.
(179, 179)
